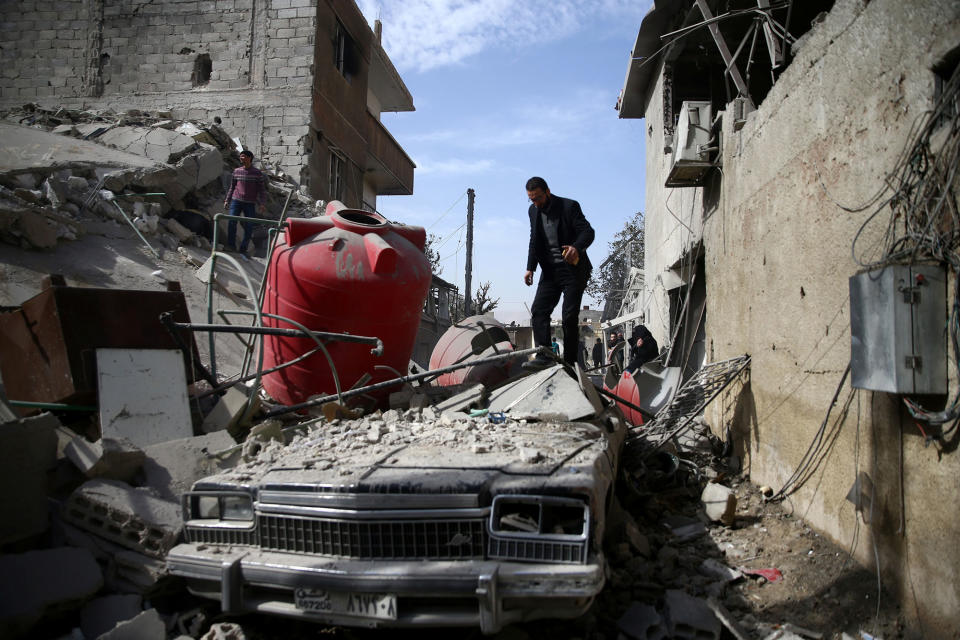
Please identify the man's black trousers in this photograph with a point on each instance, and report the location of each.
(570, 283)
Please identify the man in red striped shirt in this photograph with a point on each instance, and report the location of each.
(247, 195)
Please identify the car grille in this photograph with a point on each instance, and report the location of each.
(218, 535)
(537, 550)
(399, 540)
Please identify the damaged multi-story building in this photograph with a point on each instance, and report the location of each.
(791, 148)
(300, 83)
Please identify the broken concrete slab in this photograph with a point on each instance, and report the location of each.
(28, 448)
(225, 631)
(146, 626)
(132, 571)
(229, 410)
(105, 458)
(689, 617)
(642, 622)
(36, 581)
(143, 395)
(720, 503)
(548, 394)
(125, 571)
(471, 398)
(32, 148)
(589, 390)
(103, 614)
(172, 467)
(717, 570)
(134, 518)
(728, 620)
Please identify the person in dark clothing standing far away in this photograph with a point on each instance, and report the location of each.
(559, 237)
(643, 348)
(247, 194)
(597, 353)
(582, 354)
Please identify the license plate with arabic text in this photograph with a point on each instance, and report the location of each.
(381, 606)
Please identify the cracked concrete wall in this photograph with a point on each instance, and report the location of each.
(777, 262)
(151, 55)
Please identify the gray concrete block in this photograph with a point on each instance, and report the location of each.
(36, 581)
(468, 399)
(229, 409)
(548, 394)
(689, 617)
(720, 503)
(146, 626)
(642, 622)
(225, 631)
(103, 614)
(172, 467)
(28, 448)
(133, 518)
(105, 458)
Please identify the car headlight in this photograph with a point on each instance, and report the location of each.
(540, 516)
(218, 506)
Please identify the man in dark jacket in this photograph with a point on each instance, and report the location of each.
(598, 353)
(559, 237)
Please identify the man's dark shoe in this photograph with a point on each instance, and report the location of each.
(539, 363)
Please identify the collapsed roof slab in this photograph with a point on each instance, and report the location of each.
(26, 148)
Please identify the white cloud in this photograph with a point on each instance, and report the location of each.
(424, 34)
(453, 166)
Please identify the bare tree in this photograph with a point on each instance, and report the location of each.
(484, 302)
(432, 255)
(625, 250)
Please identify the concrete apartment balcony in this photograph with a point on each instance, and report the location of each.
(388, 168)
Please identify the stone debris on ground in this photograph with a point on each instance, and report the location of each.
(679, 546)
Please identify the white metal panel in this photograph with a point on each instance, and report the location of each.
(143, 395)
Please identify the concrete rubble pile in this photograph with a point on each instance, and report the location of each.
(108, 511)
(165, 176)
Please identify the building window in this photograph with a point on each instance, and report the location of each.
(202, 68)
(943, 72)
(336, 176)
(344, 56)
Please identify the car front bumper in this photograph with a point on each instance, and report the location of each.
(484, 593)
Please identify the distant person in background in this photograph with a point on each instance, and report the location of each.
(555, 346)
(597, 353)
(246, 196)
(582, 354)
(643, 348)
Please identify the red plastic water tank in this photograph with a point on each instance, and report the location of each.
(349, 271)
(627, 389)
(473, 338)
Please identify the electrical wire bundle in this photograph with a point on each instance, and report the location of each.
(924, 221)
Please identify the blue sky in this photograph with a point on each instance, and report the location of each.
(505, 90)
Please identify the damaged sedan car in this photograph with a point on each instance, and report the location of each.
(412, 518)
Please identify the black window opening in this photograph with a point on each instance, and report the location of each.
(945, 80)
(202, 68)
(335, 186)
(344, 52)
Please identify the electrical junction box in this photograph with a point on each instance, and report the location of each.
(690, 161)
(898, 329)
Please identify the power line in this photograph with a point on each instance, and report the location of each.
(447, 211)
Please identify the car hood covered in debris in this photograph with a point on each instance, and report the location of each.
(443, 456)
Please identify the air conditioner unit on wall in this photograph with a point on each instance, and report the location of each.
(691, 153)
